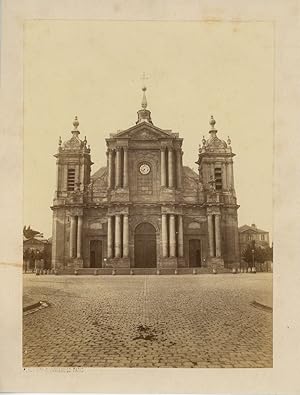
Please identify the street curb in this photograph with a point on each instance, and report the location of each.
(261, 306)
(35, 306)
(31, 306)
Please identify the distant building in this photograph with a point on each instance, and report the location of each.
(37, 243)
(249, 233)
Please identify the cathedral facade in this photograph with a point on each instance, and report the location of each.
(145, 209)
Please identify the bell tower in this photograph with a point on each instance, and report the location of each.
(73, 164)
(215, 163)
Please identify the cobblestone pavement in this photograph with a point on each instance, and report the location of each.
(201, 321)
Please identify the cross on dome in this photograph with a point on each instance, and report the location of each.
(144, 77)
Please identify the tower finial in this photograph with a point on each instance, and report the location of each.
(213, 130)
(75, 131)
(75, 123)
(144, 115)
(144, 99)
(212, 122)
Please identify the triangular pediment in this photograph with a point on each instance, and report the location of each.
(144, 131)
(251, 230)
(33, 240)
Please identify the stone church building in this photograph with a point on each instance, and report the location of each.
(145, 209)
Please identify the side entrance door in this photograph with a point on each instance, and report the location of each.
(194, 253)
(96, 253)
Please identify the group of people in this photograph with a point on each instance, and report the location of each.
(35, 261)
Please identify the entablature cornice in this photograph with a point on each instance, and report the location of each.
(213, 204)
(213, 210)
(205, 156)
(107, 205)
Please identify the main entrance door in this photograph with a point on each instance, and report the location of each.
(95, 253)
(195, 253)
(145, 245)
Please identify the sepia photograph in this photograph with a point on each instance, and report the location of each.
(148, 166)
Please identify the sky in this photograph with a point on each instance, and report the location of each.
(93, 69)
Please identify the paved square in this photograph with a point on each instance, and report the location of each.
(200, 321)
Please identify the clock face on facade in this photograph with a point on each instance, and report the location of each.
(144, 169)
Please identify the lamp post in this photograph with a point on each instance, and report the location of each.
(252, 258)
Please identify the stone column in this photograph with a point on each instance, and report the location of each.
(206, 171)
(65, 178)
(110, 168)
(72, 236)
(212, 170)
(118, 236)
(125, 168)
(218, 234)
(164, 235)
(54, 241)
(118, 168)
(224, 176)
(229, 176)
(163, 173)
(170, 168)
(172, 236)
(58, 176)
(77, 175)
(125, 236)
(82, 176)
(179, 168)
(210, 235)
(79, 236)
(109, 237)
(180, 236)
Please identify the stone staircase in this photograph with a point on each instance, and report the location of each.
(140, 271)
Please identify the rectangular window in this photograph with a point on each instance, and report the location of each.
(71, 179)
(218, 178)
(263, 237)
